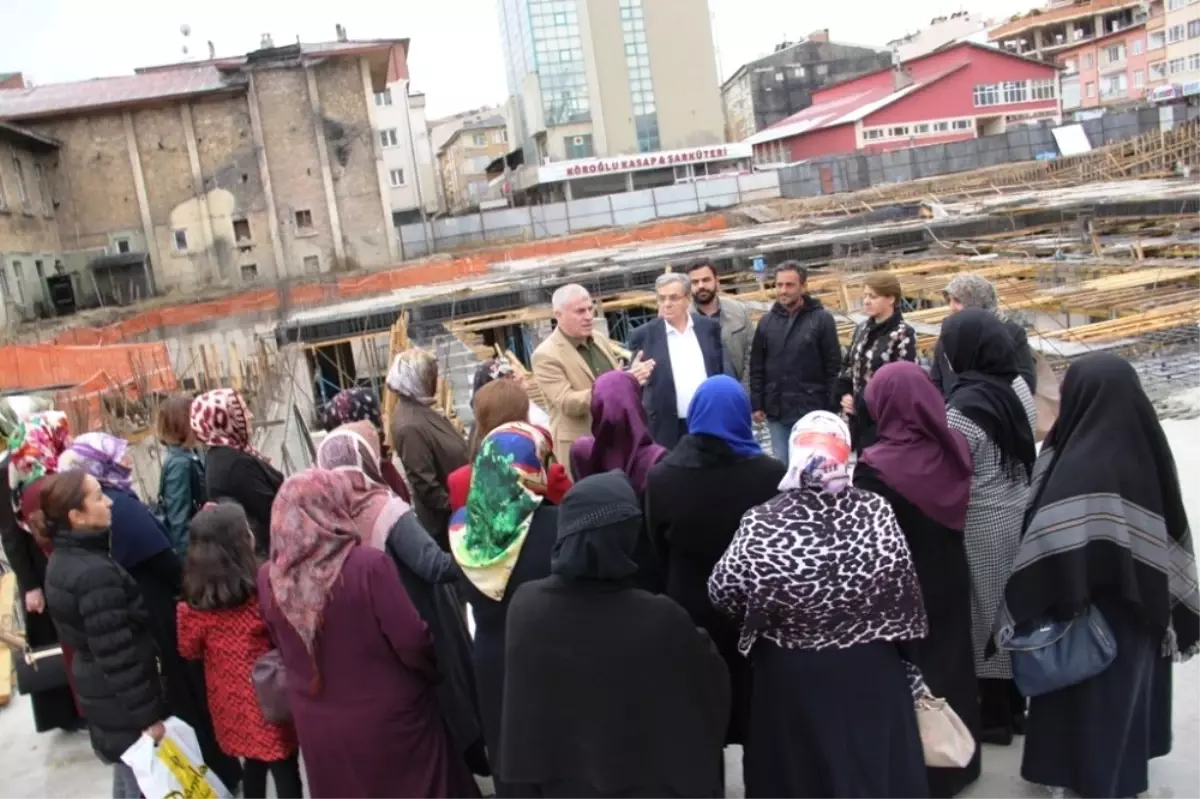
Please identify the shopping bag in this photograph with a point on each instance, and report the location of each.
(174, 767)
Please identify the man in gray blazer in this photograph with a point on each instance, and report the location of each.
(737, 334)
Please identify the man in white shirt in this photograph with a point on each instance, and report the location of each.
(686, 349)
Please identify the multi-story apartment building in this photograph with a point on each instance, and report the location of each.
(1063, 24)
(463, 160)
(1181, 36)
(221, 172)
(409, 167)
(766, 90)
(1109, 70)
(609, 77)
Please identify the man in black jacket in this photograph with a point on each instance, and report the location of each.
(795, 358)
(972, 291)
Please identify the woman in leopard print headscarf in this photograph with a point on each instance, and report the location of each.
(822, 586)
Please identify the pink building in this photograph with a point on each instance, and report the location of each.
(1108, 70)
(959, 92)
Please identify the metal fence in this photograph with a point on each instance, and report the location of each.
(574, 216)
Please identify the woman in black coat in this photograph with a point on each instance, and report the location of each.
(501, 540)
(695, 498)
(233, 469)
(99, 612)
(923, 469)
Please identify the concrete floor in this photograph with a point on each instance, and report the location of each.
(62, 765)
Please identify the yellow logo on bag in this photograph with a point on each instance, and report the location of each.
(192, 779)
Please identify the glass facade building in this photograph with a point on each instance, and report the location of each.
(543, 37)
(641, 87)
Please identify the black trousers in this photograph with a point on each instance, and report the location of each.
(286, 773)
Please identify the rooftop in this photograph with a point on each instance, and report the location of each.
(790, 46)
(486, 123)
(27, 139)
(177, 81)
(1080, 9)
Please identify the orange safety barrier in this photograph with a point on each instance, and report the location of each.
(41, 366)
(85, 401)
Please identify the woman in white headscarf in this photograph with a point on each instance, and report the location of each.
(820, 582)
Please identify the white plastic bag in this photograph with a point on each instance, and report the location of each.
(174, 767)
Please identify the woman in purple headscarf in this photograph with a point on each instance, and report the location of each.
(923, 469)
(620, 436)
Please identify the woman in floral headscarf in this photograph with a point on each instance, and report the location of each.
(502, 539)
(820, 582)
(429, 446)
(233, 469)
(360, 405)
(360, 662)
(35, 442)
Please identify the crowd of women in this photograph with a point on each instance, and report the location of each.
(634, 613)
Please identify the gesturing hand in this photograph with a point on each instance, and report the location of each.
(641, 369)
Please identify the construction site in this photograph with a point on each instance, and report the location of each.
(1097, 251)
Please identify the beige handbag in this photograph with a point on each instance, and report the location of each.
(945, 739)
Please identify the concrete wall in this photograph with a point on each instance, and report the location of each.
(29, 241)
(853, 172)
(613, 210)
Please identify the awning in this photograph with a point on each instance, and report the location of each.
(512, 160)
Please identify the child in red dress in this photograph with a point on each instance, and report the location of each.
(219, 622)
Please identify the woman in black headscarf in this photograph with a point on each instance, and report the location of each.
(990, 404)
(609, 690)
(1106, 529)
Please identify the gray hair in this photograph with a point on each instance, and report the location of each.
(566, 294)
(667, 278)
(973, 291)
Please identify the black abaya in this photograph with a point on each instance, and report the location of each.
(946, 655)
(832, 723)
(1096, 738)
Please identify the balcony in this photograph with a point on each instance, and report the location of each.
(1109, 67)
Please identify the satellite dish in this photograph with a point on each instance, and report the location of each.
(185, 29)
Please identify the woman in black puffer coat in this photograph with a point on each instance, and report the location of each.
(98, 610)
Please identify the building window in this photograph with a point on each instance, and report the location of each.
(396, 178)
(1070, 67)
(872, 133)
(312, 264)
(1194, 62)
(899, 130)
(22, 190)
(387, 138)
(1139, 46)
(987, 94)
(1015, 91)
(964, 124)
(1174, 34)
(249, 272)
(941, 126)
(5, 291)
(479, 140)
(1193, 28)
(641, 86)
(19, 280)
(1042, 89)
(1139, 79)
(1175, 5)
(578, 146)
(304, 220)
(501, 136)
(1091, 89)
(1113, 86)
(384, 97)
(1176, 66)
(241, 231)
(1156, 40)
(180, 240)
(1158, 70)
(123, 246)
(1114, 54)
(924, 128)
(1088, 61)
(43, 189)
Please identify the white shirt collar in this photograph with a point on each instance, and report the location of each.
(672, 330)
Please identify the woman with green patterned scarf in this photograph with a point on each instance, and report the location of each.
(502, 539)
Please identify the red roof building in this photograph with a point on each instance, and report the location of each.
(958, 92)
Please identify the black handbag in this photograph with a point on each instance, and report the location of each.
(39, 670)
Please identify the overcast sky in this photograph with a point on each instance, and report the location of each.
(455, 51)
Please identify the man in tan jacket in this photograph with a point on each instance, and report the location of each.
(568, 362)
